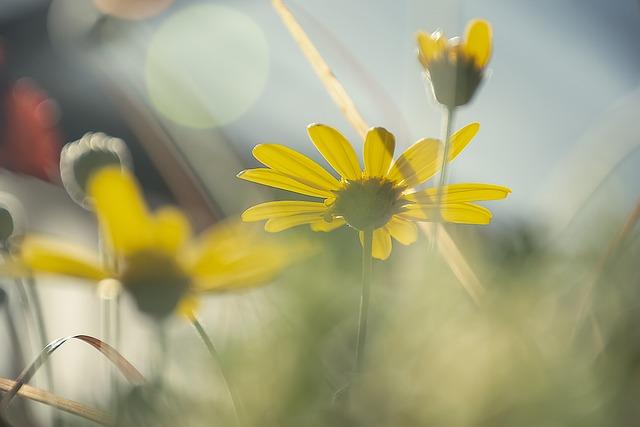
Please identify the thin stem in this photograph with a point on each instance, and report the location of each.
(162, 356)
(35, 305)
(447, 124)
(109, 293)
(208, 342)
(367, 271)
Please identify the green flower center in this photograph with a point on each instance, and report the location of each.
(369, 203)
(155, 280)
(454, 81)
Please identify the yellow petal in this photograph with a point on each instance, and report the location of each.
(49, 255)
(250, 268)
(246, 259)
(188, 306)
(172, 229)
(120, 209)
(405, 232)
(335, 148)
(456, 193)
(228, 239)
(477, 42)
(460, 139)
(460, 213)
(381, 248)
(274, 225)
(430, 46)
(276, 179)
(379, 145)
(323, 225)
(417, 164)
(296, 165)
(281, 208)
(254, 272)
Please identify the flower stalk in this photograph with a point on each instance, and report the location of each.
(447, 124)
(211, 348)
(367, 273)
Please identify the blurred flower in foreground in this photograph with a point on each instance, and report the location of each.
(454, 67)
(155, 258)
(380, 199)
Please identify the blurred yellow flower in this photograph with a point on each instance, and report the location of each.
(455, 67)
(381, 198)
(153, 254)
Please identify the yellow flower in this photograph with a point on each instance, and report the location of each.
(154, 256)
(381, 198)
(454, 67)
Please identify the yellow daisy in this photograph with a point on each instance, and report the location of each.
(455, 67)
(154, 256)
(381, 199)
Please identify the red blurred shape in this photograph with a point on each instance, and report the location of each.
(29, 139)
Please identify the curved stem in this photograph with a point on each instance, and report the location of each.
(447, 124)
(367, 270)
(216, 357)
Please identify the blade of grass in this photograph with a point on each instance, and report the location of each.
(123, 365)
(585, 308)
(447, 246)
(42, 396)
(331, 83)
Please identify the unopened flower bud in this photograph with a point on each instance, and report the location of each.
(81, 158)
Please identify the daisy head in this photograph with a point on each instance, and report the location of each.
(380, 198)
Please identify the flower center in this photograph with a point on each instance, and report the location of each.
(454, 79)
(155, 280)
(368, 204)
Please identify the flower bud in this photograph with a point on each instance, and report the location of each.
(81, 158)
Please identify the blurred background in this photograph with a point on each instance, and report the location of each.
(192, 86)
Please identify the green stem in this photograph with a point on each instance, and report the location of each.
(447, 124)
(367, 271)
(33, 306)
(162, 356)
(208, 342)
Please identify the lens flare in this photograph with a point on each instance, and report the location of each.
(206, 66)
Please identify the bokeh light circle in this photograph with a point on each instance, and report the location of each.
(206, 66)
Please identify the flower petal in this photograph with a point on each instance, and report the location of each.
(172, 229)
(188, 306)
(477, 42)
(121, 210)
(48, 255)
(298, 166)
(460, 139)
(335, 148)
(275, 225)
(430, 46)
(326, 226)
(456, 193)
(279, 180)
(379, 145)
(417, 164)
(281, 208)
(405, 232)
(381, 248)
(460, 213)
(246, 259)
